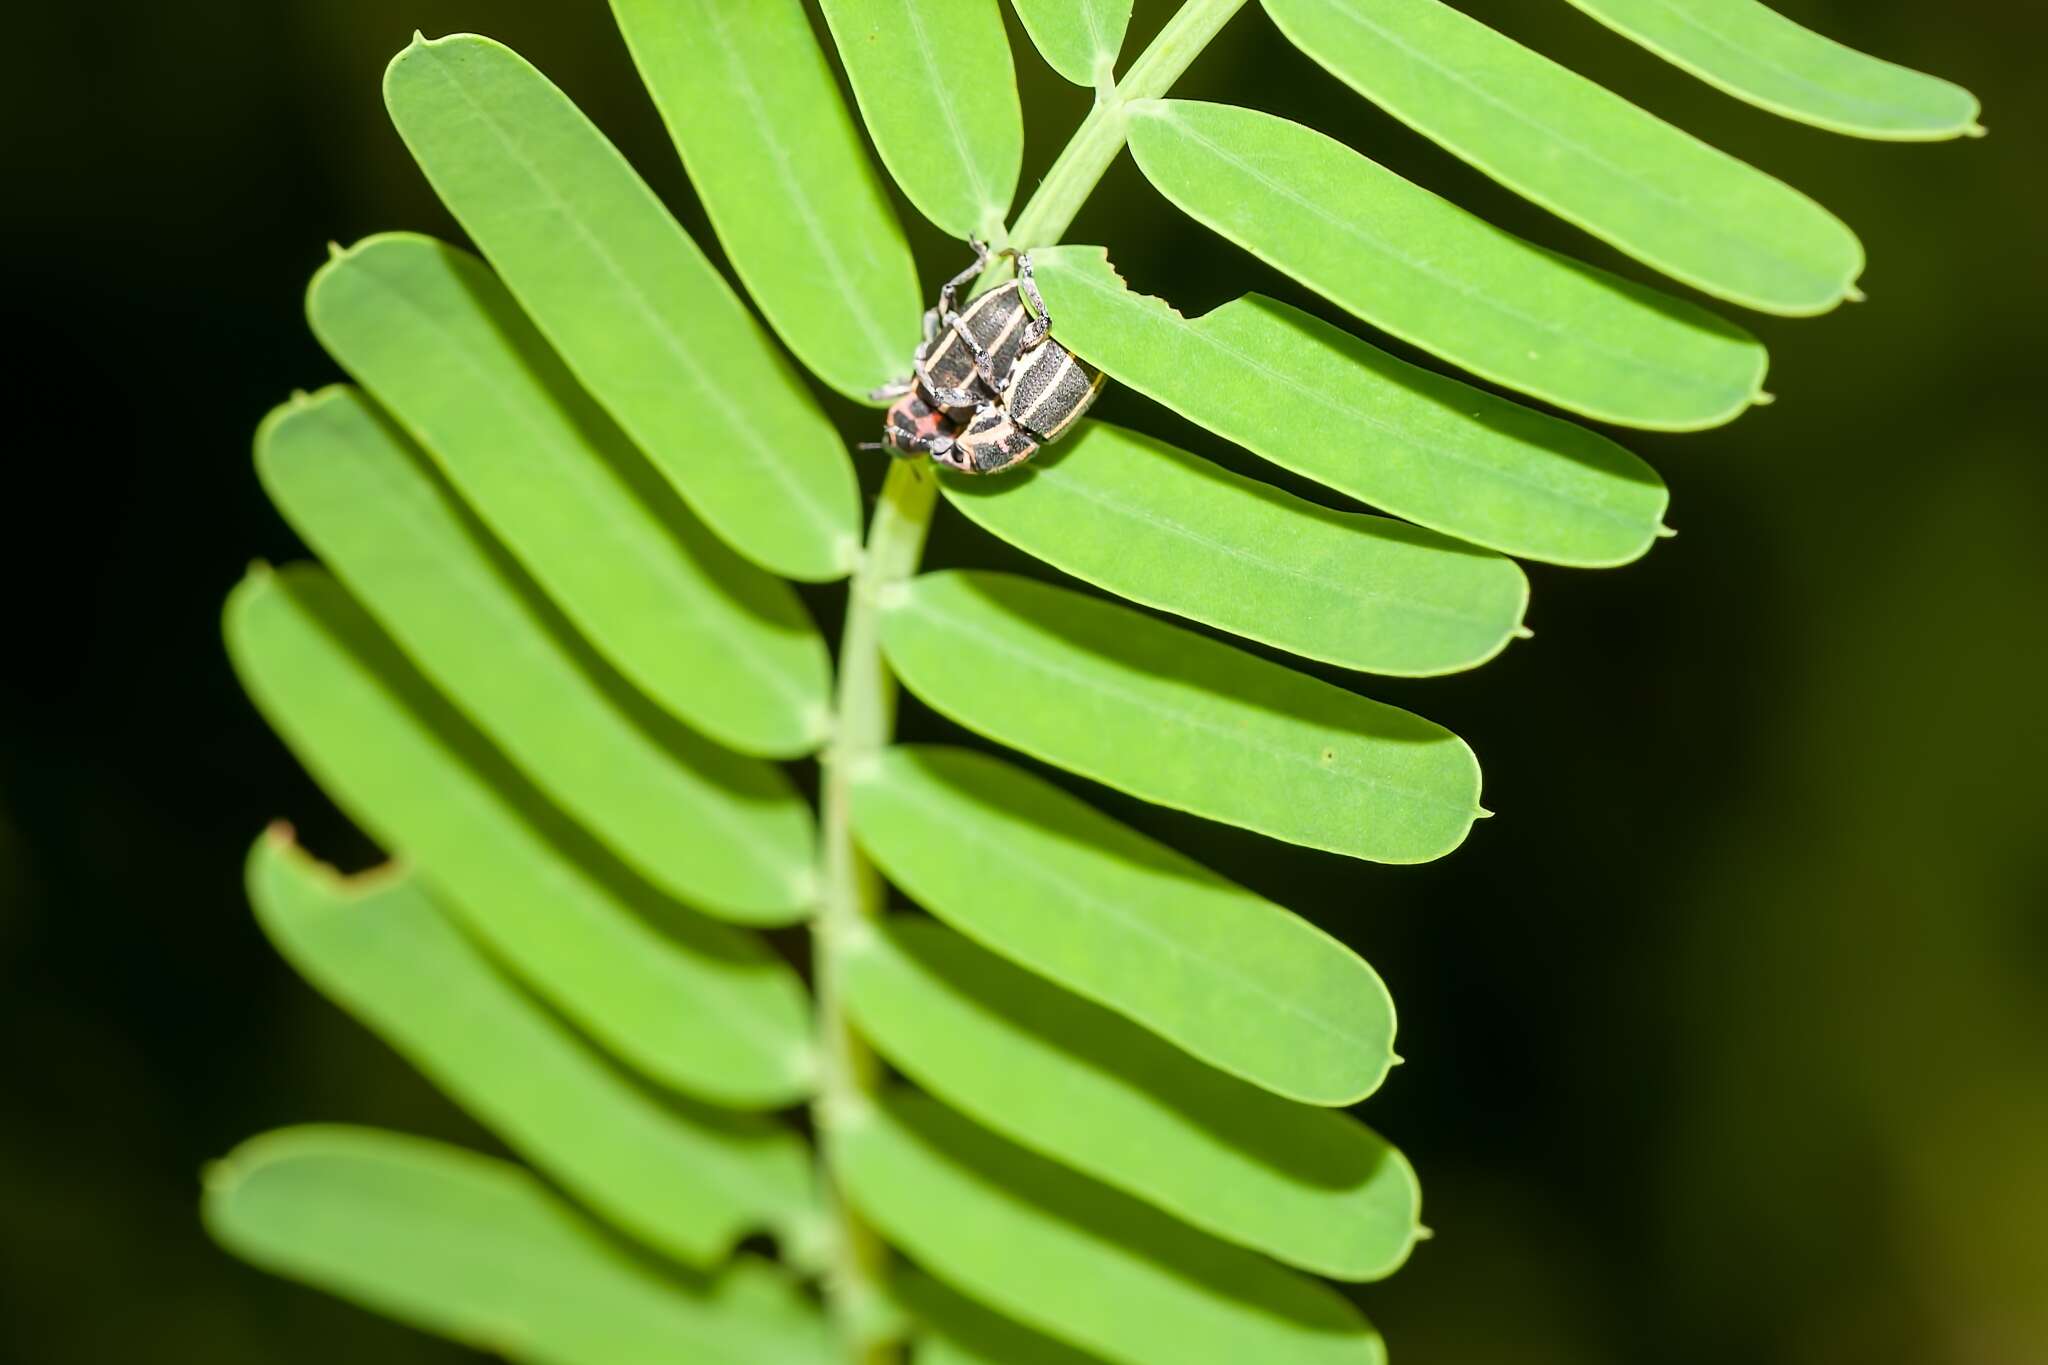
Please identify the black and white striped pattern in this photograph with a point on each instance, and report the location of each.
(1049, 390)
(996, 321)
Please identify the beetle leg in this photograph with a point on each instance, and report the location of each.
(951, 290)
(944, 396)
(954, 400)
(984, 364)
(897, 388)
(947, 399)
(1040, 325)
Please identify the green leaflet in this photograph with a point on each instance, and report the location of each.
(1080, 39)
(700, 1006)
(1434, 275)
(1180, 720)
(959, 1331)
(1051, 883)
(688, 1182)
(1295, 390)
(1170, 530)
(1077, 1260)
(477, 1250)
(938, 92)
(797, 205)
(726, 833)
(441, 344)
(639, 314)
(1636, 182)
(1756, 54)
(1077, 1084)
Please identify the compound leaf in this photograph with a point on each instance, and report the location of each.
(700, 1006)
(1169, 530)
(1075, 1083)
(642, 318)
(1647, 188)
(1076, 1259)
(477, 1250)
(443, 347)
(726, 833)
(752, 106)
(1292, 389)
(938, 91)
(1756, 54)
(688, 1182)
(1051, 883)
(1426, 271)
(1180, 720)
(1080, 39)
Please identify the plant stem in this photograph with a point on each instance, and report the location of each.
(857, 1269)
(1086, 157)
(858, 1265)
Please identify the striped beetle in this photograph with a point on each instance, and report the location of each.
(989, 386)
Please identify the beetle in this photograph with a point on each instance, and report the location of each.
(989, 386)
(1038, 388)
(913, 422)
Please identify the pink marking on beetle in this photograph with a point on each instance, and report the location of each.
(911, 424)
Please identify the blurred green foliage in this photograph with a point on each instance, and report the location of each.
(1729, 1039)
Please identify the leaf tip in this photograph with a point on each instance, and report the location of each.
(1853, 295)
(1523, 632)
(1666, 532)
(218, 1178)
(1424, 1232)
(1481, 813)
(1976, 129)
(1764, 398)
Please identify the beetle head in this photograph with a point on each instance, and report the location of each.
(990, 444)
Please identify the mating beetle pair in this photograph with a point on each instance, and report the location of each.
(989, 386)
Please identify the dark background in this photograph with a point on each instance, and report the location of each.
(1728, 1039)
